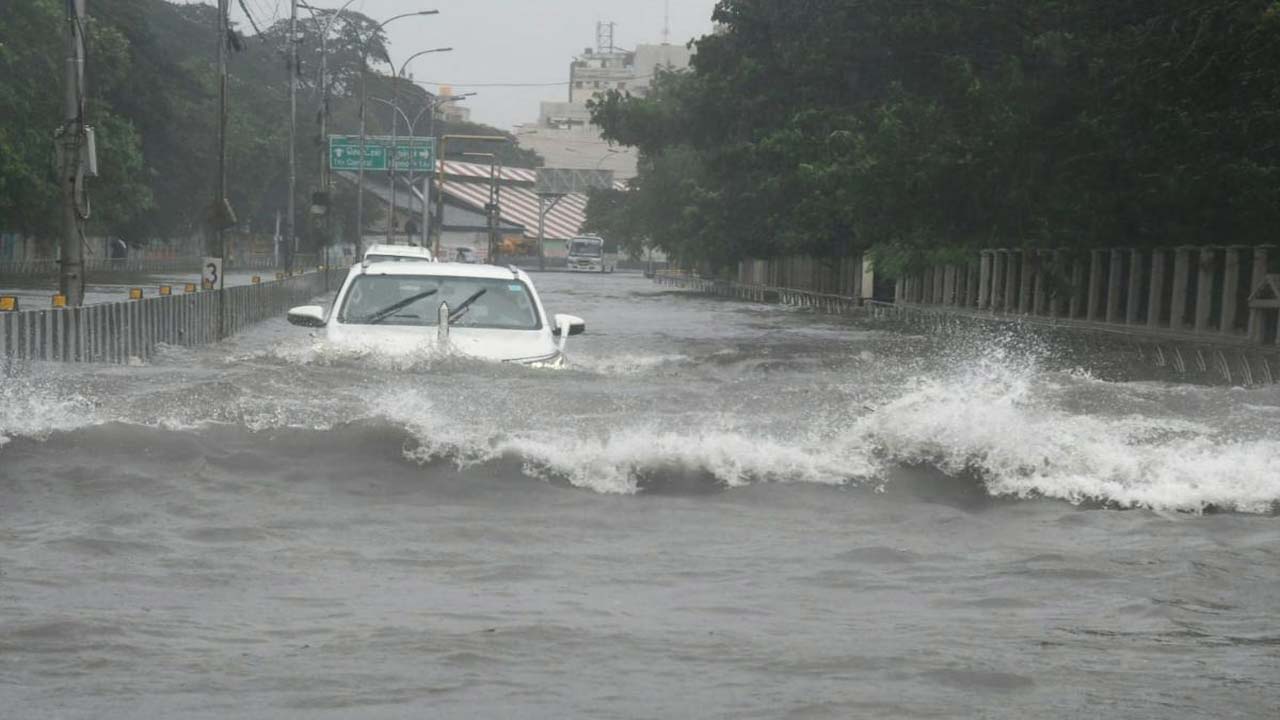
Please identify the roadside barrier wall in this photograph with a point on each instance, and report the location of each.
(1225, 295)
(50, 267)
(121, 331)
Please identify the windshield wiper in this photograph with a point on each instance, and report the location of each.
(465, 305)
(390, 310)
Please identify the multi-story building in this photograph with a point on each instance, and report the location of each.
(564, 135)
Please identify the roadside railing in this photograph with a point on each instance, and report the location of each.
(130, 331)
(831, 303)
(50, 267)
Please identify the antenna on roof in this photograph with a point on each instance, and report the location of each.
(604, 37)
(666, 24)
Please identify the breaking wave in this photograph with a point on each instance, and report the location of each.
(1020, 432)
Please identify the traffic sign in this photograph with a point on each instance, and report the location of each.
(416, 154)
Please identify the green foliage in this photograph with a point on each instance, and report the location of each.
(921, 131)
(153, 100)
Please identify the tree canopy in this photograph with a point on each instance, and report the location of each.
(922, 129)
(152, 90)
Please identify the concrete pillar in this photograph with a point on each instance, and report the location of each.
(939, 282)
(1053, 258)
(1133, 299)
(1026, 279)
(1040, 303)
(1206, 268)
(1230, 290)
(949, 285)
(1079, 291)
(1155, 290)
(1181, 279)
(1012, 270)
(984, 280)
(928, 286)
(1000, 263)
(1115, 281)
(975, 280)
(1260, 258)
(1093, 313)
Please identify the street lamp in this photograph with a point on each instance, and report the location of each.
(395, 129)
(364, 95)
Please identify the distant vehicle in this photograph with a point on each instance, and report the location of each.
(590, 253)
(397, 253)
(465, 255)
(482, 311)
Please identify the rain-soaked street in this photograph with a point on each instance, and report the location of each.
(721, 510)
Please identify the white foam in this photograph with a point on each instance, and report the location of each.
(995, 421)
(32, 409)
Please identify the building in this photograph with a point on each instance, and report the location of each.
(564, 135)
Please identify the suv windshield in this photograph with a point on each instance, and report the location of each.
(415, 300)
(585, 248)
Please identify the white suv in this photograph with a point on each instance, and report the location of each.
(481, 311)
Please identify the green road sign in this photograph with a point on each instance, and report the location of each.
(410, 154)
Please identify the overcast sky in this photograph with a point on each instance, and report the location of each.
(507, 41)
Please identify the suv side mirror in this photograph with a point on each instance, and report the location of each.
(307, 316)
(572, 323)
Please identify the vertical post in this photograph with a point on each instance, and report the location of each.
(223, 29)
(1260, 258)
(1204, 288)
(441, 172)
(290, 238)
(542, 232)
(1230, 291)
(1011, 284)
(1133, 303)
(1155, 294)
(1079, 301)
(1115, 281)
(948, 285)
(1095, 285)
(1178, 303)
(999, 277)
(1025, 279)
(1055, 271)
(1041, 299)
(325, 170)
(984, 281)
(72, 139)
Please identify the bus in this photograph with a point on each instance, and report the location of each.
(591, 253)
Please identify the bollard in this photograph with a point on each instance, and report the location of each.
(256, 280)
(135, 293)
(166, 291)
(59, 301)
(8, 303)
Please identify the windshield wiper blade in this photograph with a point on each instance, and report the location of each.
(390, 310)
(465, 305)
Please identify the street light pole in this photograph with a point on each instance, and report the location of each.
(364, 101)
(395, 129)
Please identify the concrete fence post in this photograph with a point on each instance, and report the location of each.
(1155, 289)
(949, 285)
(1181, 282)
(1053, 276)
(1093, 313)
(1011, 284)
(999, 276)
(1026, 277)
(1230, 290)
(984, 280)
(1133, 298)
(1040, 300)
(1115, 283)
(1205, 268)
(1077, 303)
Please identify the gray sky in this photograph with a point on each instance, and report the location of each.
(509, 41)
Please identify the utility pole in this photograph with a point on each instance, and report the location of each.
(222, 214)
(76, 159)
(291, 238)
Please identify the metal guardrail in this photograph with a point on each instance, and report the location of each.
(822, 302)
(122, 332)
(50, 267)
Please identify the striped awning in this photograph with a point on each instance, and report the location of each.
(468, 184)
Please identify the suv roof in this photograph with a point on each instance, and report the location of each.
(408, 252)
(443, 269)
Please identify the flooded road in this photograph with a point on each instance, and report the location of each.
(722, 510)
